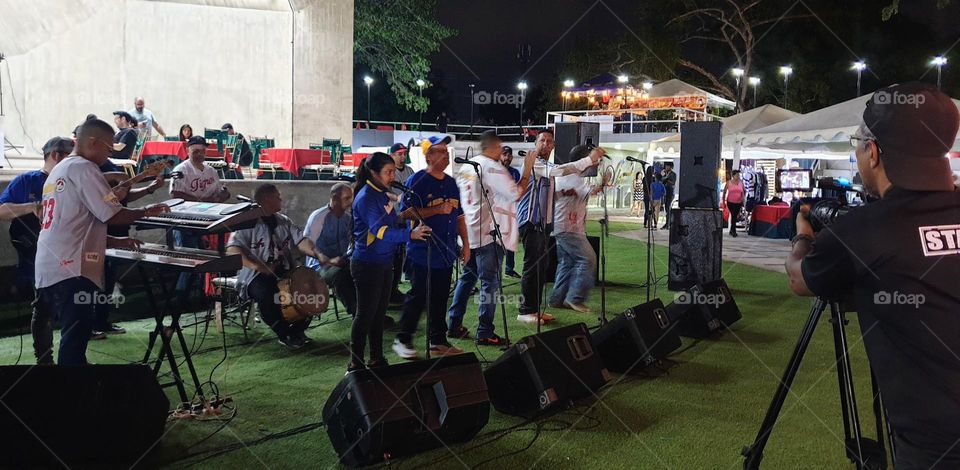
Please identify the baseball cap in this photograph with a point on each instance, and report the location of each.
(196, 140)
(397, 147)
(226, 126)
(506, 149)
(915, 125)
(434, 140)
(58, 144)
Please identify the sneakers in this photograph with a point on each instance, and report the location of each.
(531, 318)
(513, 274)
(95, 335)
(404, 350)
(444, 349)
(560, 305)
(292, 343)
(582, 308)
(459, 333)
(491, 341)
(114, 329)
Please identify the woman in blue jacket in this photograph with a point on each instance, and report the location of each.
(376, 232)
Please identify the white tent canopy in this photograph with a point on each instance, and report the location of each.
(824, 133)
(732, 130)
(675, 87)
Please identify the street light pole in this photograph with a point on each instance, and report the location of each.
(786, 71)
(368, 81)
(755, 81)
(939, 61)
(522, 86)
(420, 84)
(737, 74)
(859, 66)
(471, 108)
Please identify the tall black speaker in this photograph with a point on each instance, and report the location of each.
(703, 309)
(544, 372)
(696, 247)
(637, 338)
(568, 135)
(406, 408)
(700, 144)
(80, 415)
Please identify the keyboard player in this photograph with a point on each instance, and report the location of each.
(196, 182)
(267, 250)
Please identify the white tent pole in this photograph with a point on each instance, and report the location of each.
(737, 144)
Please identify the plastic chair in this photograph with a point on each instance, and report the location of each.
(266, 165)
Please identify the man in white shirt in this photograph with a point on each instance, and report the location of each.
(145, 119)
(576, 261)
(77, 205)
(486, 252)
(197, 182)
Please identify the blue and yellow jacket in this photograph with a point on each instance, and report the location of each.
(376, 230)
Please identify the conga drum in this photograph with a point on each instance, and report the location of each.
(303, 294)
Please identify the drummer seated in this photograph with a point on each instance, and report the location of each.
(268, 252)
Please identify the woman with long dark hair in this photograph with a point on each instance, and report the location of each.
(186, 132)
(376, 232)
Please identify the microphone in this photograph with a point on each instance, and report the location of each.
(464, 161)
(522, 153)
(469, 152)
(636, 160)
(242, 198)
(400, 186)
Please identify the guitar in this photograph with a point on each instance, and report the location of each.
(152, 170)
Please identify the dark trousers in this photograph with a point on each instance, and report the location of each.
(263, 290)
(509, 261)
(734, 215)
(416, 300)
(536, 246)
(398, 267)
(373, 283)
(72, 301)
(101, 317)
(667, 204)
(646, 208)
(346, 289)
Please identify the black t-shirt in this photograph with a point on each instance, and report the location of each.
(669, 181)
(900, 256)
(125, 136)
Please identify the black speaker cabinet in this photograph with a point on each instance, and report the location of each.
(406, 408)
(80, 415)
(554, 261)
(696, 247)
(704, 309)
(639, 337)
(545, 372)
(568, 135)
(700, 143)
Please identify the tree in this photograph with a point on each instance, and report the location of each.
(894, 8)
(395, 39)
(735, 25)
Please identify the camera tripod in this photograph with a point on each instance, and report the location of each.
(864, 453)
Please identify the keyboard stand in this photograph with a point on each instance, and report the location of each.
(166, 334)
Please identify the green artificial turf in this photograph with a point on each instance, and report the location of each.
(699, 413)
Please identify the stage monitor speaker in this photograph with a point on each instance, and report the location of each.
(703, 309)
(568, 135)
(78, 416)
(696, 247)
(544, 372)
(641, 336)
(403, 409)
(699, 164)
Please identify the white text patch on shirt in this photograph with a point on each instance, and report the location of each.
(939, 240)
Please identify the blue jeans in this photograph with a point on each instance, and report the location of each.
(484, 266)
(575, 267)
(72, 300)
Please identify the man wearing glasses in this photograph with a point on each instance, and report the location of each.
(76, 207)
(900, 258)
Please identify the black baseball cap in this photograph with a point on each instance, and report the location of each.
(196, 140)
(226, 126)
(506, 150)
(915, 125)
(397, 147)
(58, 144)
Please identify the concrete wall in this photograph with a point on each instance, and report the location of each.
(202, 62)
(300, 198)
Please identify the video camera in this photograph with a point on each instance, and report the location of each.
(833, 203)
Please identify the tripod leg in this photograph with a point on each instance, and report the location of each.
(754, 453)
(848, 399)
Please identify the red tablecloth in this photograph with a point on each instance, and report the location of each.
(293, 160)
(771, 222)
(177, 149)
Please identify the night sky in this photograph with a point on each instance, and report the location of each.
(484, 51)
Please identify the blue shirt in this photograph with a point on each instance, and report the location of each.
(657, 189)
(330, 234)
(376, 230)
(427, 191)
(515, 173)
(26, 187)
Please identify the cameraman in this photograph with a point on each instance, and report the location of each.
(900, 257)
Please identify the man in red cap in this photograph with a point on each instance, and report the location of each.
(900, 258)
